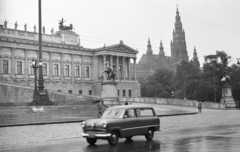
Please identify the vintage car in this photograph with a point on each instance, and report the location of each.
(123, 121)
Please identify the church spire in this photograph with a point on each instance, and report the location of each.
(161, 49)
(195, 53)
(149, 47)
(195, 61)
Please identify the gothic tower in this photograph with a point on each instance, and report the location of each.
(195, 61)
(178, 43)
(149, 48)
(161, 51)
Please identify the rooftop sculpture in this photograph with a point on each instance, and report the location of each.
(64, 28)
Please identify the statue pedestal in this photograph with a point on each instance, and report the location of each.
(110, 94)
(227, 98)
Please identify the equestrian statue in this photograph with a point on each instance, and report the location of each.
(109, 72)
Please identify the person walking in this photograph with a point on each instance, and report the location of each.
(199, 106)
(126, 103)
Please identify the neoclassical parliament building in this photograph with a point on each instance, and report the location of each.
(67, 66)
(70, 68)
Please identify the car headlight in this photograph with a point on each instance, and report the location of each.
(104, 125)
(83, 124)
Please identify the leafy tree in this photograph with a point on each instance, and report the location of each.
(158, 84)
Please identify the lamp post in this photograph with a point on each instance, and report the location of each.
(214, 89)
(40, 97)
(172, 94)
(35, 66)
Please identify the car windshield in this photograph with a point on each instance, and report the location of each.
(113, 114)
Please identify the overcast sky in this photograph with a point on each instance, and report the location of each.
(209, 25)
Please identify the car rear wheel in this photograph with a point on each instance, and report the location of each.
(91, 141)
(113, 139)
(129, 138)
(150, 134)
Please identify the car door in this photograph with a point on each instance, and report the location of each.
(131, 123)
(146, 118)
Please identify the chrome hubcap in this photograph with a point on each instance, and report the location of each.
(149, 133)
(114, 137)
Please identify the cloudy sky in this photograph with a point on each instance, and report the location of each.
(209, 25)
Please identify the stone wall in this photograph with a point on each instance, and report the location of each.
(12, 94)
(174, 101)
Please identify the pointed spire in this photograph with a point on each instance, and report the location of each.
(149, 47)
(195, 53)
(161, 50)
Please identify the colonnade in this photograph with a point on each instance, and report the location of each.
(123, 73)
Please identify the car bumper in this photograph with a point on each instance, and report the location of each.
(95, 135)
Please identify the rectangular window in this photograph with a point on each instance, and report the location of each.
(44, 69)
(19, 67)
(80, 91)
(118, 93)
(87, 72)
(55, 70)
(144, 112)
(90, 92)
(59, 90)
(5, 66)
(77, 71)
(66, 70)
(130, 93)
(123, 93)
(69, 91)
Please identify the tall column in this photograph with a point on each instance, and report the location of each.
(117, 68)
(111, 61)
(72, 67)
(104, 59)
(13, 63)
(82, 68)
(129, 69)
(135, 75)
(26, 67)
(62, 67)
(123, 68)
(50, 66)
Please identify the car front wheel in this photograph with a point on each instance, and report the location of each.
(150, 134)
(113, 139)
(91, 141)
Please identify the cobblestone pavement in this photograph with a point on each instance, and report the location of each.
(15, 137)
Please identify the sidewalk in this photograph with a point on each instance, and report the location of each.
(11, 116)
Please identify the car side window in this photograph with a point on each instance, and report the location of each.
(145, 112)
(130, 113)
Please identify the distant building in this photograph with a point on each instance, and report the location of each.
(150, 62)
(67, 66)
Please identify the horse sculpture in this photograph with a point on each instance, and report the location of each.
(65, 28)
(109, 72)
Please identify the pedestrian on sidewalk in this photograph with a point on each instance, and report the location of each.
(200, 106)
(126, 103)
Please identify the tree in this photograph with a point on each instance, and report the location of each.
(158, 84)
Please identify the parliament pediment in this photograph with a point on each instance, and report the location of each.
(120, 48)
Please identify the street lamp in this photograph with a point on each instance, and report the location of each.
(41, 97)
(35, 66)
(172, 94)
(214, 90)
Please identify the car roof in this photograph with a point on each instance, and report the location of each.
(129, 107)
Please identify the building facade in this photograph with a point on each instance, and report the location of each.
(67, 66)
(150, 62)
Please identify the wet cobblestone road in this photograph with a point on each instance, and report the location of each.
(16, 137)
